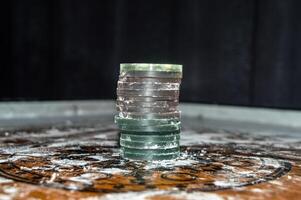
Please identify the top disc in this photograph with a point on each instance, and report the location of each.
(126, 67)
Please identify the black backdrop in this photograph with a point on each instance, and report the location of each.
(239, 52)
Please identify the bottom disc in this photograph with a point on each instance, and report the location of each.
(158, 128)
(158, 151)
(149, 138)
(150, 133)
(134, 156)
(149, 145)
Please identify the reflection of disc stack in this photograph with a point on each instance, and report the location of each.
(148, 119)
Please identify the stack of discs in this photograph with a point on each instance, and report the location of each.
(148, 118)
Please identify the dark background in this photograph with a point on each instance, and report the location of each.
(238, 52)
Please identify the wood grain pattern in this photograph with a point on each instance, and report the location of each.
(83, 162)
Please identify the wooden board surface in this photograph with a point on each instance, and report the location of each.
(80, 160)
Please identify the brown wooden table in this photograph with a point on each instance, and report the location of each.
(70, 151)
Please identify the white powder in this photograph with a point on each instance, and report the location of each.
(80, 179)
(257, 190)
(5, 197)
(170, 163)
(226, 183)
(10, 189)
(271, 162)
(5, 180)
(183, 160)
(10, 192)
(15, 158)
(113, 170)
(69, 162)
(150, 194)
(98, 158)
(87, 178)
